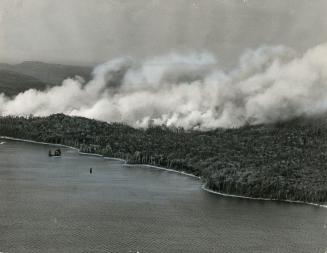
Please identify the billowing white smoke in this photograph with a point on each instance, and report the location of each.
(190, 91)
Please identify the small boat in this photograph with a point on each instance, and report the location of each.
(57, 153)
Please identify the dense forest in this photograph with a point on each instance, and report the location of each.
(281, 161)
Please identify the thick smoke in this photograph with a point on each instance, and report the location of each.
(269, 84)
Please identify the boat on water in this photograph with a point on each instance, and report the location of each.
(57, 153)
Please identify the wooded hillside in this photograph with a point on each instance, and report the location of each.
(281, 161)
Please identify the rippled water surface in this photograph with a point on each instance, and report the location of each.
(55, 205)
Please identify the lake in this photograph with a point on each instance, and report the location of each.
(52, 204)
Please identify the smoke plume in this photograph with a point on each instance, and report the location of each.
(269, 84)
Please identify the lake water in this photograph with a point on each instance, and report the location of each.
(56, 205)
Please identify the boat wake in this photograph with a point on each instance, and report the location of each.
(2, 142)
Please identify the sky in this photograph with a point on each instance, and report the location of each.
(94, 31)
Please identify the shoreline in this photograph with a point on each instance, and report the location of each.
(262, 199)
(203, 187)
(36, 142)
(162, 168)
(60, 145)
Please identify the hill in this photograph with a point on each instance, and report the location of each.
(285, 161)
(52, 74)
(12, 83)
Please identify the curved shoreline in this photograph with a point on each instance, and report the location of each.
(261, 199)
(162, 168)
(203, 187)
(60, 145)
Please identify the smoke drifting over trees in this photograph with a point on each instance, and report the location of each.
(269, 84)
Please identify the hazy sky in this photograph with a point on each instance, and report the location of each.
(94, 31)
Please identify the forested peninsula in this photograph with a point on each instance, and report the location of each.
(284, 161)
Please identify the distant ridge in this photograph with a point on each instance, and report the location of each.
(12, 83)
(51, 74)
